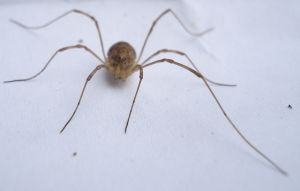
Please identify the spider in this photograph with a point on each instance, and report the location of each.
(121, 61)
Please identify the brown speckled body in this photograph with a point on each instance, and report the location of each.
(121, 61)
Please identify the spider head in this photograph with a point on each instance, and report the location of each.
(121, 60)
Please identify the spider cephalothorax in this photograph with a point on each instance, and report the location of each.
(121, 60)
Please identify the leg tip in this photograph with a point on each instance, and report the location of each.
(60, 132)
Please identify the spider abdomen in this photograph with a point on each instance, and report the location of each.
(121, 60)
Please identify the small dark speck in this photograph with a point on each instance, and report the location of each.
(80, 41)
(290, 107)
(212, 133)
(74, 154)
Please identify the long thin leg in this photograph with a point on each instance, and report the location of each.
(180, 22)
(188, 58)
(82, 92)
(59, 50)
(61, 16)
(136, 92)
(198, 74)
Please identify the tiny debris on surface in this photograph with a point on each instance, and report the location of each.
(290, 107)
(74, 154)
(80, 41)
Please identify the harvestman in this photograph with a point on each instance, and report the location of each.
(121, 62)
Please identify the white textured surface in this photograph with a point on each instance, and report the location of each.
(177, 139)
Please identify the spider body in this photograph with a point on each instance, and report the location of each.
(121, 60)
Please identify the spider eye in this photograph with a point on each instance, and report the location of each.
(124, 61)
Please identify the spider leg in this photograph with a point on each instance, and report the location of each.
(61, 16)
(180, 22)
(198, 74)
(82, 92)
(48, 62)
(188, 58)
(135, 95)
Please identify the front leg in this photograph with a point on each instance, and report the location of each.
(140, 68)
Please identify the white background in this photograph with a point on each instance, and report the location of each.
(177, 138)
